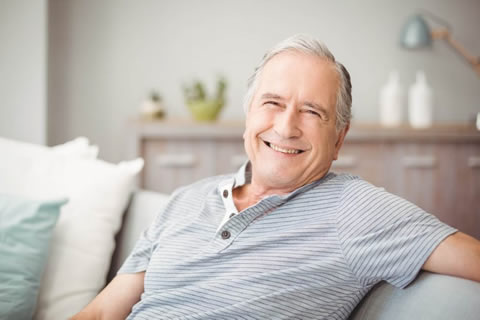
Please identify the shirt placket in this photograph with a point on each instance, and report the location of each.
(233, 227)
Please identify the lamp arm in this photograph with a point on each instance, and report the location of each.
(446, 35)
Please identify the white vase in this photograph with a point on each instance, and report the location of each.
(391, 101)
(420, 103)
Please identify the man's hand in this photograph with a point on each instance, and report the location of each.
(458, 255)
(116, 300)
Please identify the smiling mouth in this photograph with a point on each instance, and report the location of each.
(282, 150)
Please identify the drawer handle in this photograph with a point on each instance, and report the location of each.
(238, 159)
(172, 160)
(420, 162)
(474, 162)
(345, 162)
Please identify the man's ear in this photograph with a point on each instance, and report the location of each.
(340, 139)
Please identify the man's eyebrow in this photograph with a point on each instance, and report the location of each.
(269, 95)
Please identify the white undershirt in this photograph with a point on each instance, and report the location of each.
(227, 187)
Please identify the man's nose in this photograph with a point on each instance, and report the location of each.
(286, 124)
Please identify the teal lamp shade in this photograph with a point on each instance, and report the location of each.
(416, 33)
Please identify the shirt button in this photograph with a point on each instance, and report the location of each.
(232, 215)
(225, 193)
(225, 235)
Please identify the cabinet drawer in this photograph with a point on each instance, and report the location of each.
(230, 155)
(172, 163)
(363, 159)
(412, 171)
(176, 162)
(458, 193)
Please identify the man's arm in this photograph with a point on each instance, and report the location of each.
(116, 300)
(457, 255)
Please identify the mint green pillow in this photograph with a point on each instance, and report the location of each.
(25, 230)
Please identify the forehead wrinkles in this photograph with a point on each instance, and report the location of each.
(320, 71)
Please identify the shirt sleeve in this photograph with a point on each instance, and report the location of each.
(385, 237)
(140, 256)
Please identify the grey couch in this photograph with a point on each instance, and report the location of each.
(430, 296)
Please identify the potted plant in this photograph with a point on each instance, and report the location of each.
(203, 106)
(152, 108)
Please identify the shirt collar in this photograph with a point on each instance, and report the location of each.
(244, 176)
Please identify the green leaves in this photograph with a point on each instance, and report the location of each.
(197, 92)
(203, 106)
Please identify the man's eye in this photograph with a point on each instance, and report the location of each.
(274, 103)
(313, 113)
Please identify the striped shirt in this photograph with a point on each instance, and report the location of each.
(310, 254)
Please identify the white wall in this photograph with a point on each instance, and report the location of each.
(23, 45)
(106, 55)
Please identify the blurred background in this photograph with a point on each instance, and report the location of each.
(83, 67)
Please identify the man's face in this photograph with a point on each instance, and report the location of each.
(290, 135)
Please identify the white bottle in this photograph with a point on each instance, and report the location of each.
(391, 102)
(420, 103)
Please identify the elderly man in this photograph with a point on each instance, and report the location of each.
(283, 237)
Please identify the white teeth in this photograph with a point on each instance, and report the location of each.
(277, 148)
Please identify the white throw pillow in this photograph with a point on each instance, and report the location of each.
(83, 240)
(17, 159)
(78, 147)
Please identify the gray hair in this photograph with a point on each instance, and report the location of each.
(309, 45)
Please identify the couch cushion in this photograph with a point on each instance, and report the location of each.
(25, 231)
(143, 208)
(430, 296)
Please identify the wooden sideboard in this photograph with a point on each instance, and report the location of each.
(438, 168)
(178, 152)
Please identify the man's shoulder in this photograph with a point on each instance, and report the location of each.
(331, 188)
(343, 187)
(352, 181)
(351, 186)
(344, 177)
(359, 200)
(341, 180)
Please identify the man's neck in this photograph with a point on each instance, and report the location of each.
(249, 194)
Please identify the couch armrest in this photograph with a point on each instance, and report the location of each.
(430, 296)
